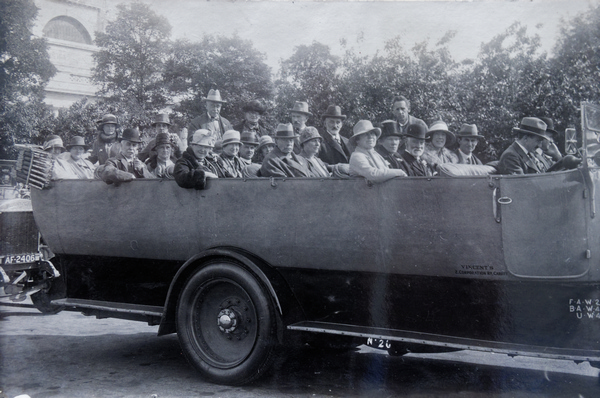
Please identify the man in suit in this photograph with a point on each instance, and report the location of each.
(412, 162)
(125, 166)
(468, 137)
(400, 110)
(212, 119)
(282, 161)
(389, 142)
(519, 157)
(334, 148)
(299, 115)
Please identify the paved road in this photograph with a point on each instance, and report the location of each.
(70, 355)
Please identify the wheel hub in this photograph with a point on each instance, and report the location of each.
(227, 320)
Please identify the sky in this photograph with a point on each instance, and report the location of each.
(276, 27)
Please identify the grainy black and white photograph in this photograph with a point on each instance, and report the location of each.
(299, 198)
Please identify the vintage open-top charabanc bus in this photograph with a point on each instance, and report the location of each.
(497, 263)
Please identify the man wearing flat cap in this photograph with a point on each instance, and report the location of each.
(519, 157)
(282, 161)
(212, 120)
(335, 148)
(414, 146)
(468, 137)
(253, 112)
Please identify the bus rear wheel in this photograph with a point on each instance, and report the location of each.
(226, 324)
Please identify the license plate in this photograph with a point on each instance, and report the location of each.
(20, 259)
(379, 343)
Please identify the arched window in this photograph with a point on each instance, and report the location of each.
(67, 28)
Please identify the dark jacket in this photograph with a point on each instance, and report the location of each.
(203, 122)
(333, 153)
(394, 159)
(190, 173)
(278, 164)
(414, 167)
(242, 127)
(514, 160)
(118, 169)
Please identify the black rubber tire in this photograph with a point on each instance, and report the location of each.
(234, 355)
(56, 289)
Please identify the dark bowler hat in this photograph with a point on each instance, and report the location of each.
(77, 141)
(333, 111)
(468, 130)
(131, 135)
(108, 119)
(390, 128)
(285, 130)
(161, 139)
(254, 106)
(440, 126)
(532, 126)
(249, 138)
(214, 96)
(309, 133)
(301, 107)
(161, 118)
(417, 130)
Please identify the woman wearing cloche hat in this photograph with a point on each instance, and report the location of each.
(365, 161)
(227, 163)
(439, 139)
(74, 166)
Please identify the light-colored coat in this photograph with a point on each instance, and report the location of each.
(372, 166)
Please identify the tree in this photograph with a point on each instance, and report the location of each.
(130, 63)
(25, 69)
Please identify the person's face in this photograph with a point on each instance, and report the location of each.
(311, 147)
(200, 151)
(129, 149)
(333, 124)
(54, 151)
(213, 108)
(285, 145)
(391, 143)
(299, 120)
(109, 129)
(438, 139)
(247, 151)
(467, 144)
(400, 111)
(164, 152)
(252, 116)
(231, 149)
(367, 140)
(76, 152)
(161, 128)
(266, 149)
(531, 142)
(415, 146)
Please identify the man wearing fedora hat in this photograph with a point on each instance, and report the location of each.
(192, 169)
(468, 137)
(125, 166)
(105, 146)
(247, 153)
(212, 120)
(74, 166)
(299, 115)
(548, 153)
(439, 138)
(414, 146)
(389, 142)
(161, 124)
(282, 161)
(253, 112)
(519, 157)
(227, 163)
(335, 148)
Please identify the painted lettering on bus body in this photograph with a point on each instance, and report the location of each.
(585, 308)
(474, 269)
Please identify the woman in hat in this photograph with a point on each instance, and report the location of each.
(253, 112)
(265, 145)
(74, 166)
(53, 145)
(159, 164)
(227, 163)
(310, 142)
(365, 161)
(105, 146)
(438, 139)
(192, 169)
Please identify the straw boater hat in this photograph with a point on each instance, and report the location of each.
(417, 130)
(214, 96)
(249, 138)
(532, 126)
(203, 137)
(309, 133)
(440, 126)
(161, 118)
(254, 106)
(389, 128)
(77, 141)
(161, 139)
(363, 127)
(264, 141)
(333, 111)
(285, 130)
(131, 135)
(231, 137)
(301, 108)
(53, 141)
(469, 130)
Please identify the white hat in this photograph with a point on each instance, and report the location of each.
(203, 137)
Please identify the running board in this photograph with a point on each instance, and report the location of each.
(134, 309)
(445, 341)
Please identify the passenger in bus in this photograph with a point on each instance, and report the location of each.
(299, 115)
(253, 112)
(228, 164)
(74, 166)
(311, 141)
(414, 146)
(282, 161)
(389, 142)
(160, 163)
(519, 157)
(365, 161)
(192, 169)
(125, 166)
(548, 153)
(439, 139)
(334, 147)
(400, 111)
(247, 151)
(105, 146)
(211, 120)
(468, 137)
(53, 145)
(265, 145)
(161, 124)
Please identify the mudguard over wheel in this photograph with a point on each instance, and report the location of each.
(226, 324)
